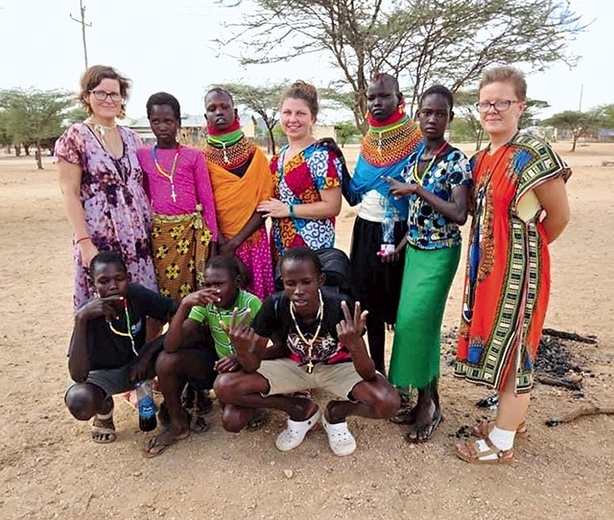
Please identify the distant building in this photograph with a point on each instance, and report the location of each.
(192, 131)
(606, 135)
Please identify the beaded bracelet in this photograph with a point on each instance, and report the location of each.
(291, 209)
(82, 239)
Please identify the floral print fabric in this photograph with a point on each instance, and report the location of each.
(116, 208)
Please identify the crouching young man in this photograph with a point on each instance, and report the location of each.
(318, 345)
(108, 353)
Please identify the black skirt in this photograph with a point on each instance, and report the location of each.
(377, 285)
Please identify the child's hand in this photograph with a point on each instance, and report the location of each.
(349, 330)
(227, 364)
(111, 307)
(202, 297)
(241, 335)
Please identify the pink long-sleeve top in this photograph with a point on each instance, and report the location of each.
(191, 180)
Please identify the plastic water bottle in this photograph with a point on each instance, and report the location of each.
(147, 407)
(388, 245)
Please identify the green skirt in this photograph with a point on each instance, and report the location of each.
(427, 278)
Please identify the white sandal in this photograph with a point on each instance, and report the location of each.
(340, 440)
(295, 432)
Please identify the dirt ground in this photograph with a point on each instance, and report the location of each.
(49, 468)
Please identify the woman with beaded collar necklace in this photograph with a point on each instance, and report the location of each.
(241, 179)
(391, 138)
(102, 183)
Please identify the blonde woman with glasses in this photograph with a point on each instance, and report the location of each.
(520, 207)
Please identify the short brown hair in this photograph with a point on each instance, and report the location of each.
(302, 90)
(92, 77)
(506, 74)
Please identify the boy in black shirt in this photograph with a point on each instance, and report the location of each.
(318, 344)
(108, 353)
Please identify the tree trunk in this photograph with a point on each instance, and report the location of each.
(575, 140)
(17, 150)
(271, 140)
(26, 148)
(39, 157)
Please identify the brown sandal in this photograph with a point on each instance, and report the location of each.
(469, 452)
(483, 429)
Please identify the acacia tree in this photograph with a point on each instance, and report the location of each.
(262, 100)
(33, 117)
(576, 122)
(443, 41)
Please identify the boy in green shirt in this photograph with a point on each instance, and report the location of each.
(203, 309)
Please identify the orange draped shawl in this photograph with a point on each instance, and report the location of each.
(236, 198)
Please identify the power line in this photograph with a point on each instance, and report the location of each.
(83, 26)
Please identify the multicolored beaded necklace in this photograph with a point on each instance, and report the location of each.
(229, 153)
(386, 145)
(170, 176)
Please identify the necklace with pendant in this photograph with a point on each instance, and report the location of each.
(309, 342)
(170, 176)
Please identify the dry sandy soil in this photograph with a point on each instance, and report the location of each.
(50, 468)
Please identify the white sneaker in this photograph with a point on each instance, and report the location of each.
(295, 432)
(340, 440)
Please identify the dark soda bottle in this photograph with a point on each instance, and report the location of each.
(147, 407)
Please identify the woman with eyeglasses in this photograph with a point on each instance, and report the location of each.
(437, 184)
(101, 183)
(520, 207)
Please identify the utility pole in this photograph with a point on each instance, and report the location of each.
(83, 26)
(581, 93)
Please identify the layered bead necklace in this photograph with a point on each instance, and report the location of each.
(309, 342)
(128, 333)
(170, 176)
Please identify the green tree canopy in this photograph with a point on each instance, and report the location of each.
(436, 41)
(575, 121)
(33, 117)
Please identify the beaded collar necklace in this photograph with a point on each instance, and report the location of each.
(309, 342)
(170, 176)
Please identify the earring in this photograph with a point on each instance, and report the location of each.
(122, 112)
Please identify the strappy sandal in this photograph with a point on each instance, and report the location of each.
(469, 452)
(103, 428)
(482, 429)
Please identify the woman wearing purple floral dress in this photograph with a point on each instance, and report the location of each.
(101, 183)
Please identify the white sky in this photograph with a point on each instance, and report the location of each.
(167, 45)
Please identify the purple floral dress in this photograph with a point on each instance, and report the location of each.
(117, 211)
